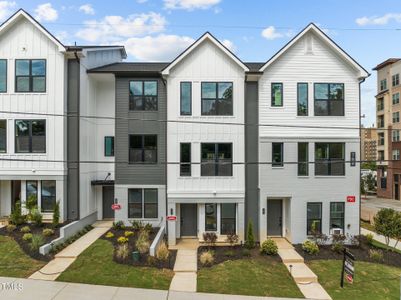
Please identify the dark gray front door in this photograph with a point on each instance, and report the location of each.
(188, 220)
(274, 217)
(108, 200)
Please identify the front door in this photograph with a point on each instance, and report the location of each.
(275, 217)
(108, 200)
(15, 193)
(188, 220)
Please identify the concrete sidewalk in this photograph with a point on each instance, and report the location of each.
(185, 268)
(67, 256)
(380, 238)
(27, 289)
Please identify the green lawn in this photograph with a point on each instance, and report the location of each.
(371, 282)
(254, 276)
(14, 262)
(96, 266)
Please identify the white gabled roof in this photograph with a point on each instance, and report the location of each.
(207, 36)
(23, 14)
(315, 29)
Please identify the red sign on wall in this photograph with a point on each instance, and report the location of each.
(115, 206)
(171, 218)
(351, 199)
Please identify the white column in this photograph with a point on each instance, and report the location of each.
(171, 225)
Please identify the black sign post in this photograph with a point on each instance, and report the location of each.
(348, 268)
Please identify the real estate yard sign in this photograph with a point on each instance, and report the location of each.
(348, 267)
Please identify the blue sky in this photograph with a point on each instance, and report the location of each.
(158, 30)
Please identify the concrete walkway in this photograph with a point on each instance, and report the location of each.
(67, 256)
(305, 279)
(23, 289)
(381, 238)
(185, 267)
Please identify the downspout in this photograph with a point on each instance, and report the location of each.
(360, 153)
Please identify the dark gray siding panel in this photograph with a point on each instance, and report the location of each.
(251, 155)
(73, 139)
(125, 125)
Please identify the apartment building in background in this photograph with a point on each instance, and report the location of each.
(388, 128)
(207, 140)
(369, 143)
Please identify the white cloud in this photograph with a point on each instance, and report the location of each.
(157, 48)
(190, 4)
(6, 8)
(114, 28)
(270, 33)
(230, 45)
(379, 20)
(87, 9)
(45, 12)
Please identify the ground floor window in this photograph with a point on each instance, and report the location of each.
(314, 218)
(142, 203)
(337, 215)
(228, 218)
(211, 217)
(32, 193)
(48, 195)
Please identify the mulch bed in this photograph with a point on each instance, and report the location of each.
(25, 245)
(145, 260)
(226, 253)
(360, 252)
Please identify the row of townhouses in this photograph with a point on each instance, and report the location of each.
(208, 138)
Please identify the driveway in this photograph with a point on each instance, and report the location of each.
(372, 204)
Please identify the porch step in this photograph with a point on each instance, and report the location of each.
(282, 243)
(301, 273)
(290, 256)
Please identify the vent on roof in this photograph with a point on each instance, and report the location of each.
(309, 44)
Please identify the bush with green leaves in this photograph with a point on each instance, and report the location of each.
(338, 241)
(122, 240)
(369, 238)
(387, 222)
(142, 243)
(11, 227)
(109, 235)
(310, 247)
(31, 204)
(206, 258)
(250, 238)
(137, 225)
(128, 233)
(269, 247)
(56, 214)
(376, 255)
(37, 240)
(36, 217)
(47, 232)
(25, 229)
(16, 216)
(122, 251)
(119, 225)
(27, 236)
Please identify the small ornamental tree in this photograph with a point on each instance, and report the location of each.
(56, 213)
(250, 239)
(386, 222)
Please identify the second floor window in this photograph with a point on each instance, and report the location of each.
(30, 136)
(30, 75)
(380, 104)
(329, 159)
(143, 149)
(380, 155)
(381, 138)
(3, 136)
(329, 99)
(143, 95)
(216, 159)
(109, 146)
(396, 117)
(217, 98)
(383, 84)
(396, 98)
(185, 159)
(395, 136)
(277, 94)
(396, 79)
(3, 75)
(277, 154)
(303, 159)
(302, 95)
(186, 98)
(396, 154)
(380, 121)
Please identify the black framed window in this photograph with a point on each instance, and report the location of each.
(314, 218)
(395, 79)
(216, 159)
(330, 159)
(329, 99)
(185, 159)
(217, 98)
(109, 146)
(396, 98)
(30, 136)
(3, 75)
(134, 203)
(383, 84)
(228, 214)
(277, 154)
(150, 206)
(380, 136)
(186, 98)
(32, 190)
(30, 75)
(302, 96)
(277, 94)
(143, 148)
(337, 212)
(380, 121)
(396, 117)
(142, 203)
(3, 136)
(48, 195)
(303, 159)
(143, 95)
(211, 217)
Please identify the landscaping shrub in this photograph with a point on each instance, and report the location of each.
(122, 251)
(206, 258)
(27, 236)
(122, 240)
(321, 239)
(137, 225)
(142, 243)
(37, 240)
(310, 247)
(269, 247)
(210, 238)
(148, 227)
(338, 242)
(56, 213)
(128, 233)
(232, 238)
(369, 238)
(162, 252)
(250, 239)
(109, 235)
(31, 204)
(355, 240)
(376, 255)
(387, 222)
(11, 227)
(25, 229)
(152, 261)
(16, 217)
(47, 232)
(36, 217)
(246, 252)
(118, 225)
